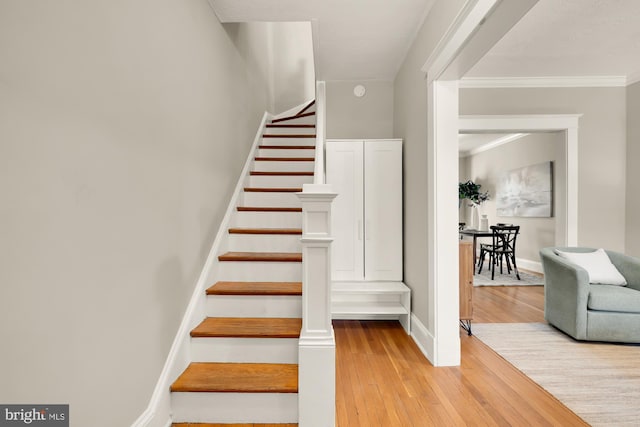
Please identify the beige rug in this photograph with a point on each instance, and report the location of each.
(599, 382)
(526, 279)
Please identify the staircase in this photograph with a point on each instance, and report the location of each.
(244, 354)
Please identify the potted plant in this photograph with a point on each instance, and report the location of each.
(470, 190)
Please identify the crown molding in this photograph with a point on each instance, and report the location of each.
(539, 82)
(493, 144)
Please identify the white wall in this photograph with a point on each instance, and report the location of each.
(293, 68)
(633, 171)
(486, 167)
(410, 123)
(601, 149)
(281, 55)
(370, 116)
(123, 128)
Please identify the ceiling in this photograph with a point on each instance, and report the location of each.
(358, 39)
(368, 39)
(569, 38)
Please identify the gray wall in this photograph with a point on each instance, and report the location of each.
(601, 149)
(123, 129)
(486, 167)
(410, 123)
(633, 170)
(370, 116)
(293, 72)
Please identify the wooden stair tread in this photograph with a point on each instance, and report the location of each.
(293, 173)
(290, 126)
(287, 147)
(285, 159)
(297, 116)
(248, 327)
(273, 189)
(231, 425)
(240, 230)
(255, 288)
(267, 209)
(282, 135)
(238, 378)
(262, 256)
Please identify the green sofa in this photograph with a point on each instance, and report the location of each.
(591, 312)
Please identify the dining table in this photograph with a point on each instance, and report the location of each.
(474, 233)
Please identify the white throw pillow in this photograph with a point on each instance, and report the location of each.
(600, 268)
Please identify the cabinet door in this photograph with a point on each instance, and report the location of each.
(383, 209)
(344, 163)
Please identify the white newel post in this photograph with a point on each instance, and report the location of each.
(317, 347)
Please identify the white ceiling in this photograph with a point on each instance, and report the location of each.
(368, 39)
(358, 39)
(561, 38)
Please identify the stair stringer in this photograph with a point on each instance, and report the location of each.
(292, 111)
(158, 412)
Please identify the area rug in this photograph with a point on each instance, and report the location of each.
(526, 279)
(599, 382)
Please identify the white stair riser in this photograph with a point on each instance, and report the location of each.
(234, 407)
(286, 166)
(279, 181)
(259, 271)
(287, 152)
(265, 243)
(254, 306)
(267, 219)
(290, 131)
(267, 199)
(244, 350)
(311, 142)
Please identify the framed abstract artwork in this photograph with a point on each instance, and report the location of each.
(526, 191)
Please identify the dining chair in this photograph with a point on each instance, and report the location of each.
(502, 248)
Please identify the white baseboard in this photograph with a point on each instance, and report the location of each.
(159, 408)
(423, 338)
(525, 264)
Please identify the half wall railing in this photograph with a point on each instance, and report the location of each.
(316, 351)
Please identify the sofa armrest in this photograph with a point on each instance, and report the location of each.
(566, 294)
(628, 266)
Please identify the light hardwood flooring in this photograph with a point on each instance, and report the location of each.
(384, 380)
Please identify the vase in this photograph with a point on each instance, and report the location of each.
(475, 217)
(484, 223)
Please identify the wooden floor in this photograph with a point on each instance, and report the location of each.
(384, 380)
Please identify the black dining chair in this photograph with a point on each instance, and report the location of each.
(501, 249)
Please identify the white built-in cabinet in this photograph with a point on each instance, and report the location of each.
(367, 214)
(366, 224)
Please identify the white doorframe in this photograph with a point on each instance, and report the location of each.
(478, 26)
(567, 214)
